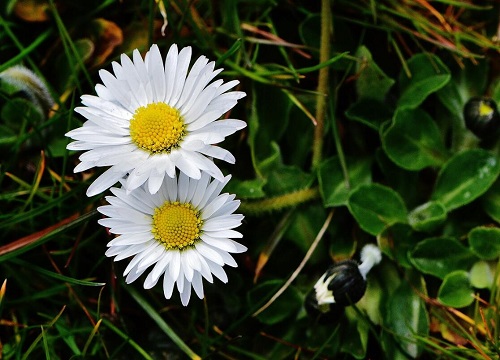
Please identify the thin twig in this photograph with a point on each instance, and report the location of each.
(301, 265)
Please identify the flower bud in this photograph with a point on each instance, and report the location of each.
(482, 117)
(343, 283)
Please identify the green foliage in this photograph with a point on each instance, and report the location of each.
(397, 168)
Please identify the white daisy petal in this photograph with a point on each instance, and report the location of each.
(218, 271)
(186, 294)
(170, 70)
(168, 285)
(159, 232)
(198, 285)
(122, 131)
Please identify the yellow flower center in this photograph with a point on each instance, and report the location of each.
(484, 109)
(157, 128)
(176, 225)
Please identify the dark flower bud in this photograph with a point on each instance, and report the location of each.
(482, 117)
(343, 283)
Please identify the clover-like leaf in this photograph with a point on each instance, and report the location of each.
(413, 140)
(455, 291)
(485, 242)
(376, 207)
(439, 256)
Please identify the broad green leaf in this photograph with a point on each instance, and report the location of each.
(465, 177)
(428, 75)
(334, 188)
(451, 98)
(371, 112)
(413, 141)
(491, 201)
(371, 82)
(427, 217)
(355, 334)
(481, 275)
(396, 241)
(455, 291)
(406, 317)
(246, 189)
(286, 305)
(376, 207)
(485, 242)
(439, 256)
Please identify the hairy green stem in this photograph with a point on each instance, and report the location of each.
(261, 207)
(324, 55)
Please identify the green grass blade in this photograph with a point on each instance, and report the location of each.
(162, 324)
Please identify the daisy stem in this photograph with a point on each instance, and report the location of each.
(324, 55)
(280, 202)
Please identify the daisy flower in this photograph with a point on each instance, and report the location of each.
(184, 231)
(151, 117)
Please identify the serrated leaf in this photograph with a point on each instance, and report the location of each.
(455, 291)
(465, 177)
(439, 256)
(376, 207)
(413, 141)
(428, 75)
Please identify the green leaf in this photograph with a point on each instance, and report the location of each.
(376, 207)
(267, 123)
(286, 179)
(370, 112)
(396, 241)
(372, 82)
(400, 180)
(246, 189)
(455, 291)
(413, 141)
(439, 256)
(428, 75)
(286, 305)
(355, 334)
(333, 186)
(481, 275)
(485, 242)
(427, 217)
(465, 177)
(18, 111)
(158, 319)
(406, 317)
(491, 201)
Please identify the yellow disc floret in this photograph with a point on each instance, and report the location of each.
(176, 225)
(157, 128)
(485, 109)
